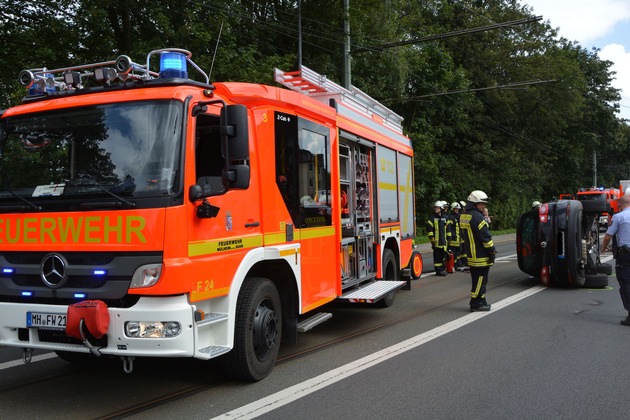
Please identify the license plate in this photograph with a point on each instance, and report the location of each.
(46, 320)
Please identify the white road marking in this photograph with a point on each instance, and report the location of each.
(305, 388)
(14, 363)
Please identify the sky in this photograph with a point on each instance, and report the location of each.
(603, 24)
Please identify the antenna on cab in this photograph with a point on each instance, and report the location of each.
(215, 52)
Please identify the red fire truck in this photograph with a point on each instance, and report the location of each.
(608, 195)
(148, 213)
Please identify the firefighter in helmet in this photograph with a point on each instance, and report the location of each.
(455, 241)
(439, 236)
(463, 258)
(479, 248)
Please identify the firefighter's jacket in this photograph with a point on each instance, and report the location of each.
(452, 225)
(437, 232)
(478, 244)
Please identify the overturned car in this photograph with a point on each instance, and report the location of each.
(558, 243)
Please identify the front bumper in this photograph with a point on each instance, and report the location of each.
(15, 333)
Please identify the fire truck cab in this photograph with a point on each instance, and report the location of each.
(148, 213)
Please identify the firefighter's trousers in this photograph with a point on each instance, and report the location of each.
(479, 276)
(439, 258)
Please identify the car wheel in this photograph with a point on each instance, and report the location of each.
(573, 275)
(596, 281)
(604, 269)
(594, 206)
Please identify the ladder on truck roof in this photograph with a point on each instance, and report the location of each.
(319, 87)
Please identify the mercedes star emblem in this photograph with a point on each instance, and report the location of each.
(54, 268)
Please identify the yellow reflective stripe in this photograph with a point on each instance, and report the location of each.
(318, 232)
(394, 228)
(275, 238)
(195, 296)
(289, 252)
(483, 222)
(471, 241)
(476, 292)
(387, 186)
(223, 245)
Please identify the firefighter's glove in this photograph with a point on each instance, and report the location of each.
(432, 244)
(492, 256)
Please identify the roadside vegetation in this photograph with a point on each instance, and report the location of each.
(517, 111)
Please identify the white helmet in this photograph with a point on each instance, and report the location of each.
(478, 196)
(463, 203)
(438, 204)
(455, 205)
(535, 204)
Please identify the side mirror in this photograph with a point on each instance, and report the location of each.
(237, 132)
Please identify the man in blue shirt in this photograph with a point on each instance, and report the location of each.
(619, 227)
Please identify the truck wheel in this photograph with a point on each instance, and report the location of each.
(415, 265)
(257, 331)
(596, 281)
(604, 269)
(390, 272)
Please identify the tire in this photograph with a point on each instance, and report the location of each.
(415, 265)
(257, 331)
(604, 269)
(390, 272)
(595, 206)
(570, 273)
(596, 281)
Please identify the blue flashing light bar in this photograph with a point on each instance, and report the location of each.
(99, 272)
(173, 64)
(27, 293)
(80, 295)
(8, 271)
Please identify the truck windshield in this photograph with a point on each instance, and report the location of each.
(129, 149)
(597, 196)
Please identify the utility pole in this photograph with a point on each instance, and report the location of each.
(299, 63)
(346, 78)
(594, 168)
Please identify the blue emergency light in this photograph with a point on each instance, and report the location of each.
(27, 293)
(80, 295)
(8, 271)
(99, 272)
(173, 64)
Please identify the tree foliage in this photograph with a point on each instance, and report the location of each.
(518, 112)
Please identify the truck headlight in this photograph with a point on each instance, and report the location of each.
(152, 329)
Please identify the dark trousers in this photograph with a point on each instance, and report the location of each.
(623, 277)
(479, 276)
(439, 257)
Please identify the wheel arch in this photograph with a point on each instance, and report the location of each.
(281, 274)
(393, 246)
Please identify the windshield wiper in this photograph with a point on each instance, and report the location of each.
(29, 204)
(127, 185)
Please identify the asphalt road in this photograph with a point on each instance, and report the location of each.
(540, 353)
